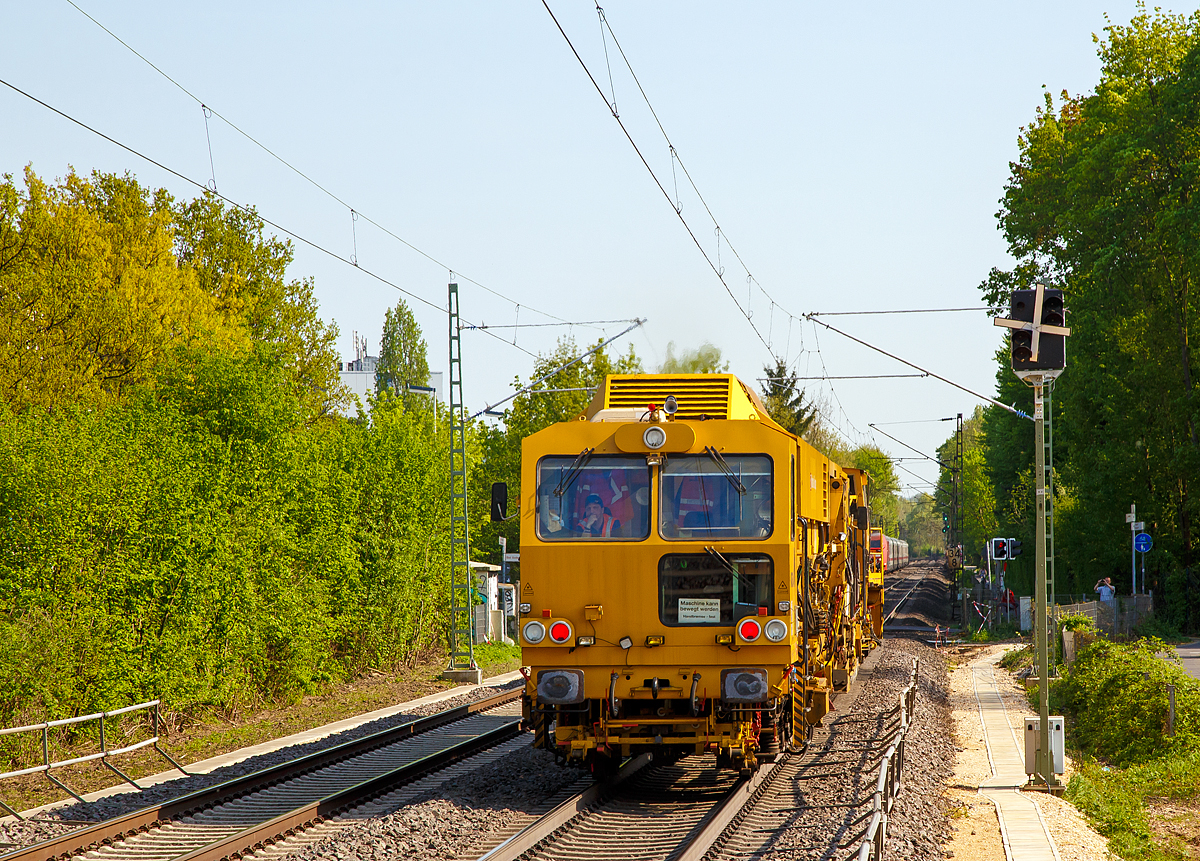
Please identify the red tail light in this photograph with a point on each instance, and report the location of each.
(749, 630)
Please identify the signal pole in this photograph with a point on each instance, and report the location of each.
(1038, 357)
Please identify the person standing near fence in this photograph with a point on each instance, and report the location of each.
(1107, 593)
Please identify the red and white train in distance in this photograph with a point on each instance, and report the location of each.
(887, 554)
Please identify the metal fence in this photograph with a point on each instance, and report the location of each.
(102, 755)
(1116, 617)
(888, 784)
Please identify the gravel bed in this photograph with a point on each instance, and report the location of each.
(457, 818)
(62, 819)
(919, 824)
(810, 807)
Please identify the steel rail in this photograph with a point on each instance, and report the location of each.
(543, 827)
(264, 834)
(146, 818)
(730, 811)
(694, 846)
(907, 595)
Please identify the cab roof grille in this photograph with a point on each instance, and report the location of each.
(700, 396)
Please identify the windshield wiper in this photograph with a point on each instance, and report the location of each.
(725, 468)
(729, 566)
(568, 477)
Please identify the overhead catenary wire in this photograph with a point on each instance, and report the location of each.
(845, 415)
(846, 377)
(918, 421)
(606, 25)
(898, 311)
(546, 325)
(678, 211)
(249, 210)
(208, 109)
(675, 157)
(922, 478)
(990, 400)
(910, 448)
(532, 386)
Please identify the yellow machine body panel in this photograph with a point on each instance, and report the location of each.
(690, 580)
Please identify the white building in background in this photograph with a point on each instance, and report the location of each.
(358, 375)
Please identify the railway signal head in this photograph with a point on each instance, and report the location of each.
(499, 501)
(945, 522)
(1038, 329)
(999, 548)
(1014, 548)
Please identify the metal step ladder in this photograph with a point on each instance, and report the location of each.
(462, 650)
(1048, 442)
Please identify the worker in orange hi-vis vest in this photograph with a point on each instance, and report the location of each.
(619, 504)
(693, 499)
(596, 521)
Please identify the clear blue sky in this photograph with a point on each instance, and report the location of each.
(853, 154)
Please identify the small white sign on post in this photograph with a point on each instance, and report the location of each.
(1139, 526)
(512, 557)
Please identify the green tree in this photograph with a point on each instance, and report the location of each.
(91, 296)
(403, 355)
(978, 503)
(921, 525)
(245, 272)
(705, 359)
(883, 491)
(1102, 203)
(531, 412)
(785, 403)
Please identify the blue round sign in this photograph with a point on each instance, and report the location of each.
(1142, 542)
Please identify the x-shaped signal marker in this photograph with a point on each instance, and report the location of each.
(1036, 326)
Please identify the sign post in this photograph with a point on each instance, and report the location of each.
(1142, 542)
(1134, 526)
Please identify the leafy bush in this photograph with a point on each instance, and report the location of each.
(998, 632)
(1157, 625)
(1015, 659)
(1117, 696)
(1114, 799)
(1085, 631)
(1077, 622)
(200, 545)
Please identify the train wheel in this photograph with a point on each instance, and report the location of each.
(769, 738)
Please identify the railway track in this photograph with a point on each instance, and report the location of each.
(648, 812)
(681, 811)
(914, 585)
(251, 813)
(689, 811)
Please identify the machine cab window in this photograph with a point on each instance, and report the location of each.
(593, 498)
(715, 496)
(712, 588)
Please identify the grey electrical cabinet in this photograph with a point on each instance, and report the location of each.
(1033, 737)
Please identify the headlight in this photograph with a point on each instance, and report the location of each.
(560, 631)
(534, 632)
(560, 686)
(749, 630)
(775, 630)
(744, 685)
(654, 437)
